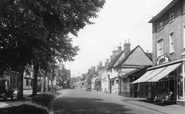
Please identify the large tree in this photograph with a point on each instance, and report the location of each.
(35, 32)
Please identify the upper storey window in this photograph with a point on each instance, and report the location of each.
(172, 15)
(160, 47)
(159, 25)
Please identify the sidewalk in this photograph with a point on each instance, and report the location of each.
(164, 108)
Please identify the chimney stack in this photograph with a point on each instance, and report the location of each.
(107, 62)
(119, 48)
(127, 47)
(114, 53)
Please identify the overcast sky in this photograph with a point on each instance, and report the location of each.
(118, 21)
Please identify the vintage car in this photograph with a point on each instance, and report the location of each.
(5, 91)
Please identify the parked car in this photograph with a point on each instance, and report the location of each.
(5, 93)
(88, 89)
(72, 86)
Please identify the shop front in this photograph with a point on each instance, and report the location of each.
(165, 82)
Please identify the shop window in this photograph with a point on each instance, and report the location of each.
(184, 36)
(180, 88)
(179, 84)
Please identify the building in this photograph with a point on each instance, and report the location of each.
(166, 77)
(132, 66)
(104, 78)
(112, 72)
(123, 63)
(28, 78)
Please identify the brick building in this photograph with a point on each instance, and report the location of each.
(166, 78)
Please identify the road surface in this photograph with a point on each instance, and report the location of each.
(80, 101)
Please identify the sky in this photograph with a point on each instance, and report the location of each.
(119, 20)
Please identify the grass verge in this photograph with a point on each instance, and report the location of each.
(35, 105)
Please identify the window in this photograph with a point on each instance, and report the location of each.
(159, 25)
(172, 16)
(160, 47)
(184, 35)
(171, 41)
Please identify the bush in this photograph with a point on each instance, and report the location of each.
(36, 105)
(24, 108)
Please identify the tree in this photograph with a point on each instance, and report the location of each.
(35, 32)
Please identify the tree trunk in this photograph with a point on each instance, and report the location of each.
(36, 68)
(51, 86)
(47, 84)
(43, 84)
(20, 85)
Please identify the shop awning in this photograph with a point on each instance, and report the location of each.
(165, 72)
(143, 77)
(148, 75)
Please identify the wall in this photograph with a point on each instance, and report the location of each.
(169, 27)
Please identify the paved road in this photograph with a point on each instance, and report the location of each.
(79, 101)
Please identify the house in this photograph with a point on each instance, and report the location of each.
(98, 81)
(112, 72)
(122, 63)
(166, 78)
(130, 68)
(12, 79)
(28, 78)
(104, 78)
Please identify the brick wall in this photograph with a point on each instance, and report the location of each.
(175, 27)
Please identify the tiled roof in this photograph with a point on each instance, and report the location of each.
(126, 57)
(149, 55)
(138, 70)
(113, 61)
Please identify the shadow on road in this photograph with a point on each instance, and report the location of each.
(159, 103)
(166, 103)
(70, 105)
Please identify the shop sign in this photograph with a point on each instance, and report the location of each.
(163, 59)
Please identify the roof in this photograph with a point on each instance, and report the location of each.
(149, 55)
(162, 12)
(140, 71)
(126, 57)
(113, 61)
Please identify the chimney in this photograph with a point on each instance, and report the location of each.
(114, 53)
(107, 62)
(119, 48)
(127, 47)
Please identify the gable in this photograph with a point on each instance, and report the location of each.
(119, 59)
(138, 57)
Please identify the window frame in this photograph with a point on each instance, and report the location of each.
(171, 42)
(171, 16)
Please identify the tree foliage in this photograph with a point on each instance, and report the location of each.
(36, 31)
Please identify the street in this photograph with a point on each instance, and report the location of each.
(79, 101)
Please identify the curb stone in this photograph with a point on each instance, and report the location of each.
(147, 107)
(49, 107)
